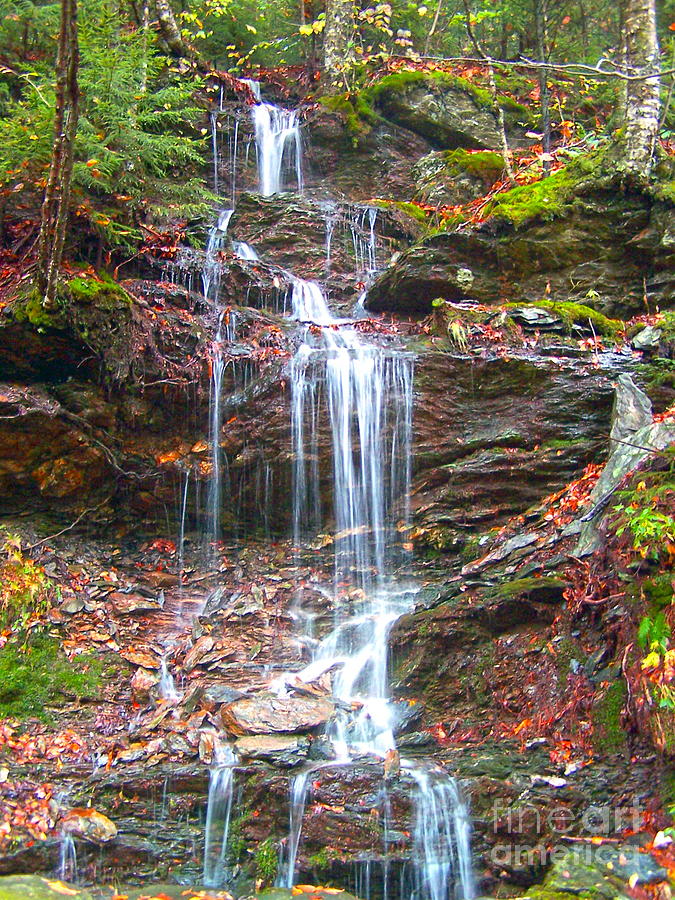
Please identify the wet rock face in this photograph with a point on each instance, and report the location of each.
(332, 242)
(588, 255)
(376, 162)
(494, 436)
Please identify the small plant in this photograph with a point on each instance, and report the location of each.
(25, 590)
(266, 862)
(654, 633)
(653, 531)
(457, 336)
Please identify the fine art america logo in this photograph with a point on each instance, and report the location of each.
(535, 837)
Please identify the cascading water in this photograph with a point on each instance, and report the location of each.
(368, 407)
(352, 400)
(278, 145)
(219, 814)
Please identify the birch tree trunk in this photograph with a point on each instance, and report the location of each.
(338, 54)
(642, 96)
(170, 32)
(54, 215)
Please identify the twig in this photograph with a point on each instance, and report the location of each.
(68, 527)
(526, 63)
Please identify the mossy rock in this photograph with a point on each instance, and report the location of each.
(577, 314)
(455, 177)
(34, 887)
(552, 197)
(447, 110)
(588, 872)
(102, 292)
(547, 589)
(357, 114)
(39, 675)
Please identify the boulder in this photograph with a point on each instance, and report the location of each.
(647, 340)
(89, 825)
(455, 177)
(605, 872)
(447, 111)
(632, 410)
(580, 252)
(268, 714)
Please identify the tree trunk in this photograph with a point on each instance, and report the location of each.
(170, 31)
(338, 53)
(541, 25)
(54, 217)
(642, 96)
(497, 110)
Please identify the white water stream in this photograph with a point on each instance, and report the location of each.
(352, 402)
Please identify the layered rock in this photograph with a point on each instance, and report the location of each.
(603, 250)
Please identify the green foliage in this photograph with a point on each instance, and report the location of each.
(654, 633)
(652, 530)
(320, 860)
(25, 591)
(38, 675)
(138, 151)
(266, 861)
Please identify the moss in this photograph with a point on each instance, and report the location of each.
(577, 314)
(409, 209)
(553, 196)
(565, 651)
(236, 842)
(266, 861)
(320, 860)
(608, 735)
(398, 81)
(29, 308)
(548, 587)
(666, 192)
(342, 105)
(657, 373)
(545, 199)
(38, 675)
(102, 292)
(658, 591)
(484, 164)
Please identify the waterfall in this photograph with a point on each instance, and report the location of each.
(351, 422)
(369, 414)
(167, 686)
(218, 814)
(244, 251)
(362, 394)
(67, 867)
(278, 144)
(212, 268)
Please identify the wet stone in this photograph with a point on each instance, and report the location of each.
(89, 825)
(267, 714)
(285, 751)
